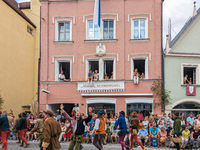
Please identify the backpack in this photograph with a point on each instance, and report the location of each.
(154, 142)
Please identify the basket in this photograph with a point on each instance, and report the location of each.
(176, 140)
(162, 140)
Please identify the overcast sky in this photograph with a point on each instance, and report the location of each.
(178, 10)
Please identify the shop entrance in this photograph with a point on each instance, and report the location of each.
(187, 108)
(142, 107)
(67, 107)
(110, 108)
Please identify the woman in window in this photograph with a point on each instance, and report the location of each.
(142, 76)
(96, 75)
(111, 77)
(190, 81)
(136, 76)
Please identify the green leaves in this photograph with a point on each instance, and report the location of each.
(161, 93)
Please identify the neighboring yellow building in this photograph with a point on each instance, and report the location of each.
(19, 53)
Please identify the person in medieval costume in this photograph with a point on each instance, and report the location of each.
(100, 131)
(123, 124)
(134, 126)
(23, 125)
(15, 128)
(6, 127)
(38, 128)
(78, 126)
(51, 131)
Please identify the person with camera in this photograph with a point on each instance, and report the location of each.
(123, 124)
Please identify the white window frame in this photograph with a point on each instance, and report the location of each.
(100, 29)
(146, 66)
(132, 27)
(190, 65)
(57, 29)
(57, 67)
(114, 27)
(101, 67)
(87, 30)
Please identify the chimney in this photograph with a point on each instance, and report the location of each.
(195, 10)
(167, 44)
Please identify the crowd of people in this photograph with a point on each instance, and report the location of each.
(172, 130)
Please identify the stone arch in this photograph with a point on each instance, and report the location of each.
(169, 108)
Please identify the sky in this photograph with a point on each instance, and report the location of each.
(178, 10)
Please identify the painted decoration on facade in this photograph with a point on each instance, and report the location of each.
(101, 86)
(191, 90)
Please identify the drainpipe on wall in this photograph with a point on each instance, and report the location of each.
(39, 59)
(162, 53)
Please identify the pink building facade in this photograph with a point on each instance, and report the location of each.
(129, 38)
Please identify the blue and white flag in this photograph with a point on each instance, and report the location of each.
(97, 13)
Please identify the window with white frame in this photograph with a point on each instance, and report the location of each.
(92, 31)
(108, 29)
(64, 33)
(108, 69)
(189, 74)
(139, 28)
(105, 68)
(141, 65)
(63, 69)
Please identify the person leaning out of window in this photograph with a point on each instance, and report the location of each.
(62, 77)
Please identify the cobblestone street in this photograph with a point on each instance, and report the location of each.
(34, 146)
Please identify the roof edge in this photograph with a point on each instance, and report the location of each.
(184, 29)
(20, 14)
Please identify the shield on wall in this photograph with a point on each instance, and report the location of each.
(191, 90)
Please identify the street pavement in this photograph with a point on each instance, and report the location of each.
(34, 146)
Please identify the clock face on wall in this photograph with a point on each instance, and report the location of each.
(100, 49)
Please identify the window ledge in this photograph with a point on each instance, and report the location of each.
(63, 42)
(190, 85)
(103, 40)
(139, 40)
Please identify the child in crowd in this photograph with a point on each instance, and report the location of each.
(185, 137)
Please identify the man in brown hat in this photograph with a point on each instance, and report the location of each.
(51, 131)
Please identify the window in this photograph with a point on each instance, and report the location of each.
(189, 72)
(101, 106)
(108, 69)
(94, 65)
(141, 64)
(108, 29)
(64, 31)
(29, 30)
(93, 31)
(139, 29)
(142, 107)
(65, 67)
(105, 68)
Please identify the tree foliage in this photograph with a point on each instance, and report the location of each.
(161, 93)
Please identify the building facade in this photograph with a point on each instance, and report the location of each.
(18, 43)
(182, 60)
(129, 38)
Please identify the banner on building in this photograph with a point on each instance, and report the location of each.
(191, 90)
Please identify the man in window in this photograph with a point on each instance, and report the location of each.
(90, 76)
(186, 79)
(62, 77)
